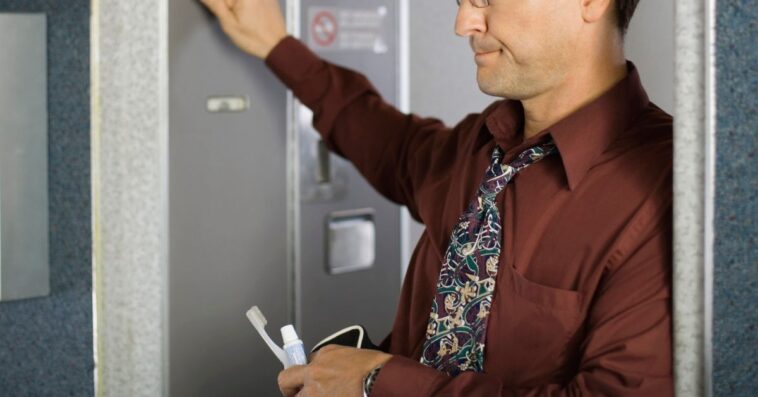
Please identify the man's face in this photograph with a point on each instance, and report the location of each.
(523, 47)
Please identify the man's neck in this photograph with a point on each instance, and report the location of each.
(579, 89)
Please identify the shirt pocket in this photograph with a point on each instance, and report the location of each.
(530, 330)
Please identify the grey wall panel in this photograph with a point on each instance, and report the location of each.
(46, 343)
(735, 320)
(227, 213)
(649, 44)
(443, 72)
(368, 297)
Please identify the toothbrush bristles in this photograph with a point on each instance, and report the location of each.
(259, 315)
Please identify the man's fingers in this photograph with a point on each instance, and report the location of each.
(291, 380)
(222, 10)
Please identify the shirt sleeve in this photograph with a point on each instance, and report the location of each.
(394, 151)
(627, 347)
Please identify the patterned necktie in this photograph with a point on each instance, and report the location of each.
(457, 327)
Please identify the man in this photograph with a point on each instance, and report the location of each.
(545, 265)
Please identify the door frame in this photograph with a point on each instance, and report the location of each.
(129, 150)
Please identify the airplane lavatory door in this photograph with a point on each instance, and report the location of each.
(227, 211)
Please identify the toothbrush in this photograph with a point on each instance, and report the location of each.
(259, 322)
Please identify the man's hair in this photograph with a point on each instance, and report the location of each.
(624, 11)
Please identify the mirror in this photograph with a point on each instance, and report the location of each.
(24, 258)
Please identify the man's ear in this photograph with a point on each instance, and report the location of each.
(596, 10)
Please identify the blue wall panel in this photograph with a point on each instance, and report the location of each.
(46, 343)
(736, 223)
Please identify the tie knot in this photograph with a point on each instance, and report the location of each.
(498, 174)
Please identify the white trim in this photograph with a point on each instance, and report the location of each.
(694, 169)
(95, 190)
(163, 209)
(404, 48)
(709, 191)
(404, 105)
(129, 152)
(294, 314)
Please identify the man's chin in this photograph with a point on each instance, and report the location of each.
(490, 87)
(499, 87)
(486, 91)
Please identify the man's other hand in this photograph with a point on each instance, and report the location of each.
(255, 26)
(335, 371)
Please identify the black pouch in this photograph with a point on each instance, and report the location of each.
(352, 336)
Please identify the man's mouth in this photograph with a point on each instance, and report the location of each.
(483, 46)
(484, 49)
(482, 57)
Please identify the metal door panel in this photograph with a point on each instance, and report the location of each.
(227, 212)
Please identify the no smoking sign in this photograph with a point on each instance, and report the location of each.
(348, 29)
(324, 29)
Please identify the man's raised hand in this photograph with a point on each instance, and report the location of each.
(255, 26)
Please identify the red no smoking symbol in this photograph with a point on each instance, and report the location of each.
(324, 28)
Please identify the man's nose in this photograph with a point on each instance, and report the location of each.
(470, 20)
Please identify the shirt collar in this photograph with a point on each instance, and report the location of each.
(583, 135)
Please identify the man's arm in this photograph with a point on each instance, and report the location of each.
(394, 151)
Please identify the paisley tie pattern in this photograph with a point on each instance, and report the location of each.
(457, 327)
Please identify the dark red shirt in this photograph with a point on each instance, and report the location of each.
(582, 300)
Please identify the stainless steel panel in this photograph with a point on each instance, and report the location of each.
(24, 258)
(363, 36)
(228, 211)
(351, 237)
